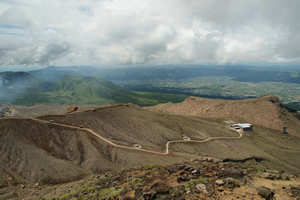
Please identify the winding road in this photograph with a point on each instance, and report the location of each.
(126, 147)
(140, 149)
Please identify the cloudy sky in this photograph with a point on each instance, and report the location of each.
(124, 32)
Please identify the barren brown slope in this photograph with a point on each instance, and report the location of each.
(265, 111)
(37, 150)
(22, 158)
(129, 124)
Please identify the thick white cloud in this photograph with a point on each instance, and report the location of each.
(94, 32)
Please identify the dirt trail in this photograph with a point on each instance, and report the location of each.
(126, 147)
(140, 149)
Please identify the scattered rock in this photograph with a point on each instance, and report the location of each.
(180, 167)
(295, 190)
(172, 170)
(196, 172)
(265, 192)
(234, 173)
(269, 176)
(182, 173)
(231, 183)
(201, 188)
(188, 168)
(183, 179)
(219, 182)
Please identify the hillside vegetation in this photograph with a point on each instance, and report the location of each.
(22, 88)
(223, 82)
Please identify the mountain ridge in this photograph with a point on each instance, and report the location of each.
(29, 90)
(266, 111)
(61, 137)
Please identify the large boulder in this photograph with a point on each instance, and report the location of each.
(265, 192)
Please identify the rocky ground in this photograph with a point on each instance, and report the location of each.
(193, 179)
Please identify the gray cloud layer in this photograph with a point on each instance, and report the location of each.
(115, 32)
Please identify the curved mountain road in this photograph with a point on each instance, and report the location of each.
(131, 148)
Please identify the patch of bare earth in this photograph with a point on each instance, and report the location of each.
(265, 111)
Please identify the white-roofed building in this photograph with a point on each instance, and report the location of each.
(243, 126)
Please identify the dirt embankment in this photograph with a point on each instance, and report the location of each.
(265, 111)
(44, 152)
(58, 150)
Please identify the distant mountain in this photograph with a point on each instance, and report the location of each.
(53, 73)
(237, 73)
(89, 90)
(22, 88)
(11, 78)
(16, 84)
(216, 82)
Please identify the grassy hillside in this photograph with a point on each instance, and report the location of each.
(88, 90)
(22, 88)
(224, 82)
(94, 90)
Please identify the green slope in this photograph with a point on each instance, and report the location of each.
(30, 90)
(88, 90)
(94, 90)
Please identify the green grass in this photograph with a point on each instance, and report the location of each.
(236, 182)
(191, 183)
(111, 192)
(136, 182)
